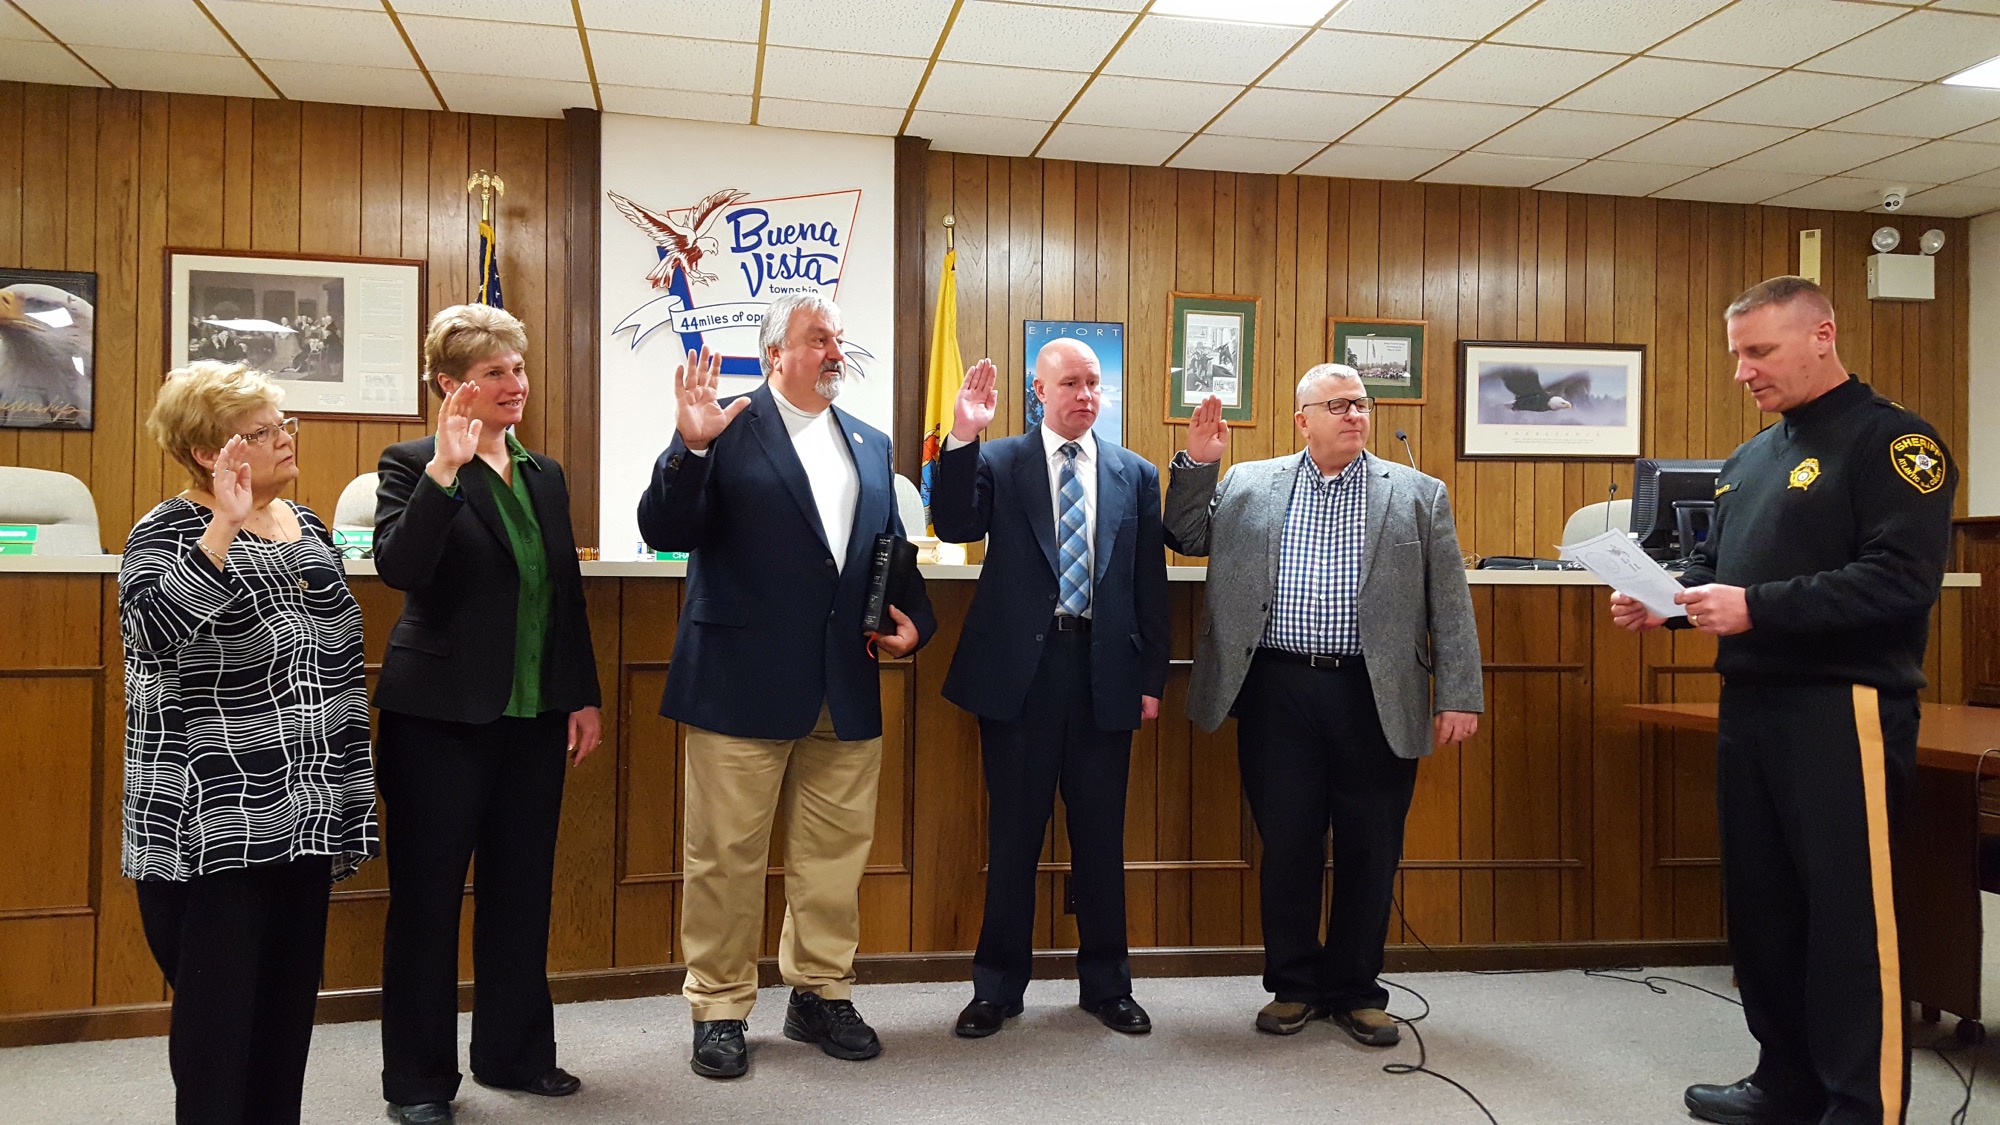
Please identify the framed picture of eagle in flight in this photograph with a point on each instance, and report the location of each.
(1522, 400)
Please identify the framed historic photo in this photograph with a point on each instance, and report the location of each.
(48, 345)
(1389, 354)
(342, 336)
(1525, 400)
(1212, 351)
(1106, 340)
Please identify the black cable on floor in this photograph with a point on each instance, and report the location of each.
(1422, 1065)
(1965, 1078)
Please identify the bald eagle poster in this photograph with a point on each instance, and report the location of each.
(47, 346)
(1521, 400)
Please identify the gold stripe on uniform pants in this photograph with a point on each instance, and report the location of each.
(1875, 796)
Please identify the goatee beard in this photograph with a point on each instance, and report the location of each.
(829, 384)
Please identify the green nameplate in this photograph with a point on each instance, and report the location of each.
(671, 556)
(18, 538)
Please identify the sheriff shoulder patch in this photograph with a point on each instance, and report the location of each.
(1802, 477)
(1919, 460)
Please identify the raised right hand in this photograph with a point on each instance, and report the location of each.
(457, 434)
(229, 483)
(976, 398)
(1627, 613)
(1207, 433)
(696, 415)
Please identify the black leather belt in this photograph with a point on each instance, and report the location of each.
(1325, 663)
(1070, 623)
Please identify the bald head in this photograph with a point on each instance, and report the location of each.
(1066, 382)
(1062, 352)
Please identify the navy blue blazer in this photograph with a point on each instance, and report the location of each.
(1001, 491)
(771, 629)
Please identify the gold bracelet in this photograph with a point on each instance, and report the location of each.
(220, 562)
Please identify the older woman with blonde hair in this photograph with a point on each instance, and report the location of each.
(247, 782)
(489, 685)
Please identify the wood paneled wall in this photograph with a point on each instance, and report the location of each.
(1061, 240)
(106, 180)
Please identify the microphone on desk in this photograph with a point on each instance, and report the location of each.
(1407, 451)
(1608, 501)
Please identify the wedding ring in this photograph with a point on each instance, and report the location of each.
(1694, 621)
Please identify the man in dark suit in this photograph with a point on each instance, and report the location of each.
(1064, 654)
(778, 495)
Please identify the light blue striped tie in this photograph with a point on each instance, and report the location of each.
(1072, 547)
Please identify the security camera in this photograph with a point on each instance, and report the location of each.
(1892, 200)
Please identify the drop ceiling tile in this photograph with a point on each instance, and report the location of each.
(1840, 193)
(1295, 115)
(829, 117)
(1984, 179)
(1735, 185)
(1350, 62)
(1107, 145)
(1593, 25)
(161, 28)
(508, 11)
(881, 27)
(1987, 134)
(531, 51)
(999, 91)
(840, 78)
(1987, 7)
(1456, 19)
(1376, 162)
(1043, 38)
(1411, 123)
(14, 25)
(691, 105)
(403, 87)
(994, 136)
(1498, 169)
(43, 62)
(1109, 5)
(511, 96)
(1938, 162)
(1663, 87)
(1774, 32)
(1922, 46)
(353, 5)
(1149, 103)
(272, 31)
(1615, 177)
(1954, 202)
(1530, 76)
(176, 73)
(1566, 132)
(1823, 152)
(1927, 111)
(1244, 154)
(734, 20)
(1707, 143)
(1194, 50)
(1803, 100)
(623, 58)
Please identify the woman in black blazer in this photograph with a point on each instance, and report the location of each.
(488, 687)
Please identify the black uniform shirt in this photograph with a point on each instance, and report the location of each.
(1836, 521)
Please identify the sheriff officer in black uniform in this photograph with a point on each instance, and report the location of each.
(1818, 576)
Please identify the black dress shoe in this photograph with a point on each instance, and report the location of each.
(422, 1113)
(1746, 1104)
(982, 1018)
(555, 1082)
(719, 1050)
(1123, 1014)
(833, 1024)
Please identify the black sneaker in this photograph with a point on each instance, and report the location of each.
(833, 1024)
(719, 1050)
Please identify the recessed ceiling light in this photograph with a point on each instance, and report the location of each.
(1295, 13)
(1985, 75)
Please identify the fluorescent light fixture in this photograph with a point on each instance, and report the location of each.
(1293, 13)
(1985, 75)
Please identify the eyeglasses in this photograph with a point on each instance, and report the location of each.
(1343, 405)
(262, 434)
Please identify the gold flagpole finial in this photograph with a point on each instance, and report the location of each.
(487, 185)
(950, 235)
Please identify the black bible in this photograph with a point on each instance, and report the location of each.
(892, 568)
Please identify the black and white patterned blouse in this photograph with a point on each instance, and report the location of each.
(246, 714)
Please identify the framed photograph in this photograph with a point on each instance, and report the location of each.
(1212, 351)
(1389, 354)
(342, 336)
(48, 345)
(1521, 400)
(1105, 340)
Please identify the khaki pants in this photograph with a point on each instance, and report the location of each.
(825, 790)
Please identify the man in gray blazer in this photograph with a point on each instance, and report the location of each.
(1339, 632)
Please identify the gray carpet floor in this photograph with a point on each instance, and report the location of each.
(1545, 1048)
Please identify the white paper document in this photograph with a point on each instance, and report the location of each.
(1625, 568)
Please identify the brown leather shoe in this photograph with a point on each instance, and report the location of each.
(1371, 1026)
(1282, 1017)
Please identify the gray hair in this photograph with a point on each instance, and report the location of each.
(1782, 290)
(1323, 373)
(777, 324)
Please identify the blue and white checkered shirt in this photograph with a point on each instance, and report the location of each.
(1319, 562)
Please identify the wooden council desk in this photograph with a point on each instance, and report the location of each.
(1937, 868)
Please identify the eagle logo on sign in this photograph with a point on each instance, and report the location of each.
(1802, 477)
(1919, 460)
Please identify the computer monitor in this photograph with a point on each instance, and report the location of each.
(1656, 485)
